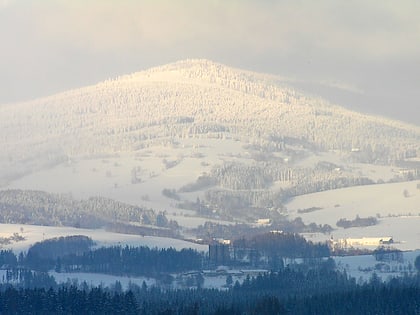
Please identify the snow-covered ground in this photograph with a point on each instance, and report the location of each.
(362, 267)
(396, 206)
(112, 176)
(34, 233)
(370, 200)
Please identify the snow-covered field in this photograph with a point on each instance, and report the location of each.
(396, 206)
(33, 234)
(370, 200)
(112, 176)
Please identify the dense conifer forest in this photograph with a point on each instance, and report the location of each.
(267, 294)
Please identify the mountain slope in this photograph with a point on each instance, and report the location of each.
(189, 98)
(243, 142)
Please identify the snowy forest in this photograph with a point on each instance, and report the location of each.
(314, 286)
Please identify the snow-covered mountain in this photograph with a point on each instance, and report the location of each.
(165, 136)
(183, 99)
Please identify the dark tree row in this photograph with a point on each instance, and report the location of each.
(133, 261)
(357, 222)
(290, 245)
(210, 230)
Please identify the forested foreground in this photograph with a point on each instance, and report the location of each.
(396, 297)
(314, 286)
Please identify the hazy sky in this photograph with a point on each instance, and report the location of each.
(368, 50)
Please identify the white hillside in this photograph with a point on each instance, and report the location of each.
(181, 100)
(222, 143)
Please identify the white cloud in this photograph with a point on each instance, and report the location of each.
(367, 29)
(5, 3)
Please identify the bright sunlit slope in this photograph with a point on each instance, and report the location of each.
(183, 99)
